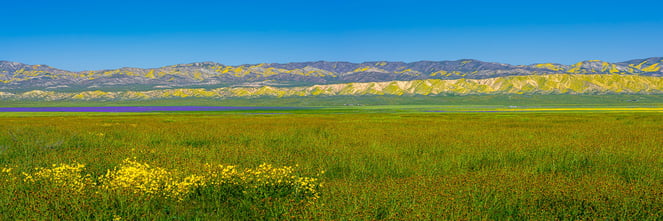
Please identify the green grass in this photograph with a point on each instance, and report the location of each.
(379, 164)
(493, 100)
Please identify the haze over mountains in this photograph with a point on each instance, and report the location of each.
(322, 78)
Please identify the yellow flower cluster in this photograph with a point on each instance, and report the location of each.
(64, 176)
(143, 179)
(6, 175)
(267, 176)
(140, 179)
(264, 179)
(221, 174)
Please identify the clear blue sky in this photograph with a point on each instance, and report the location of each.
(93, 35)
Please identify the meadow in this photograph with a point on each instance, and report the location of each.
(348, 164)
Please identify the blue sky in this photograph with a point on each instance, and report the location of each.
(93, 35)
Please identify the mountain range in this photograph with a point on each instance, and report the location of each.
(322, 78)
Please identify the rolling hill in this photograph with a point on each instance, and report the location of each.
(212, 80)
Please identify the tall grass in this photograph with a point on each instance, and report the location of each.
(378, 166)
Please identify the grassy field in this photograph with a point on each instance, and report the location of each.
(330, 164)
(481, 100)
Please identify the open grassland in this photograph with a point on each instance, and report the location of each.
(376, 166)
(600, 100)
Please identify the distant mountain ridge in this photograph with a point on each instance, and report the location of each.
(530, 84)
(17, 77)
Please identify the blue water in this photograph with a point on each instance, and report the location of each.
(134, 109)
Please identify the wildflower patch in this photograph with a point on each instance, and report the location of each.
(134, 183)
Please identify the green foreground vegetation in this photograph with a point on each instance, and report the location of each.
(332, 101)
(311, 165)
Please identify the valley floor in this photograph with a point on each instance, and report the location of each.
(378, 162)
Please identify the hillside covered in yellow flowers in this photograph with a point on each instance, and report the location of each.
(212, 80)
(530, 84)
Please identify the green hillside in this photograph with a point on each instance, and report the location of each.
(528, 85)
